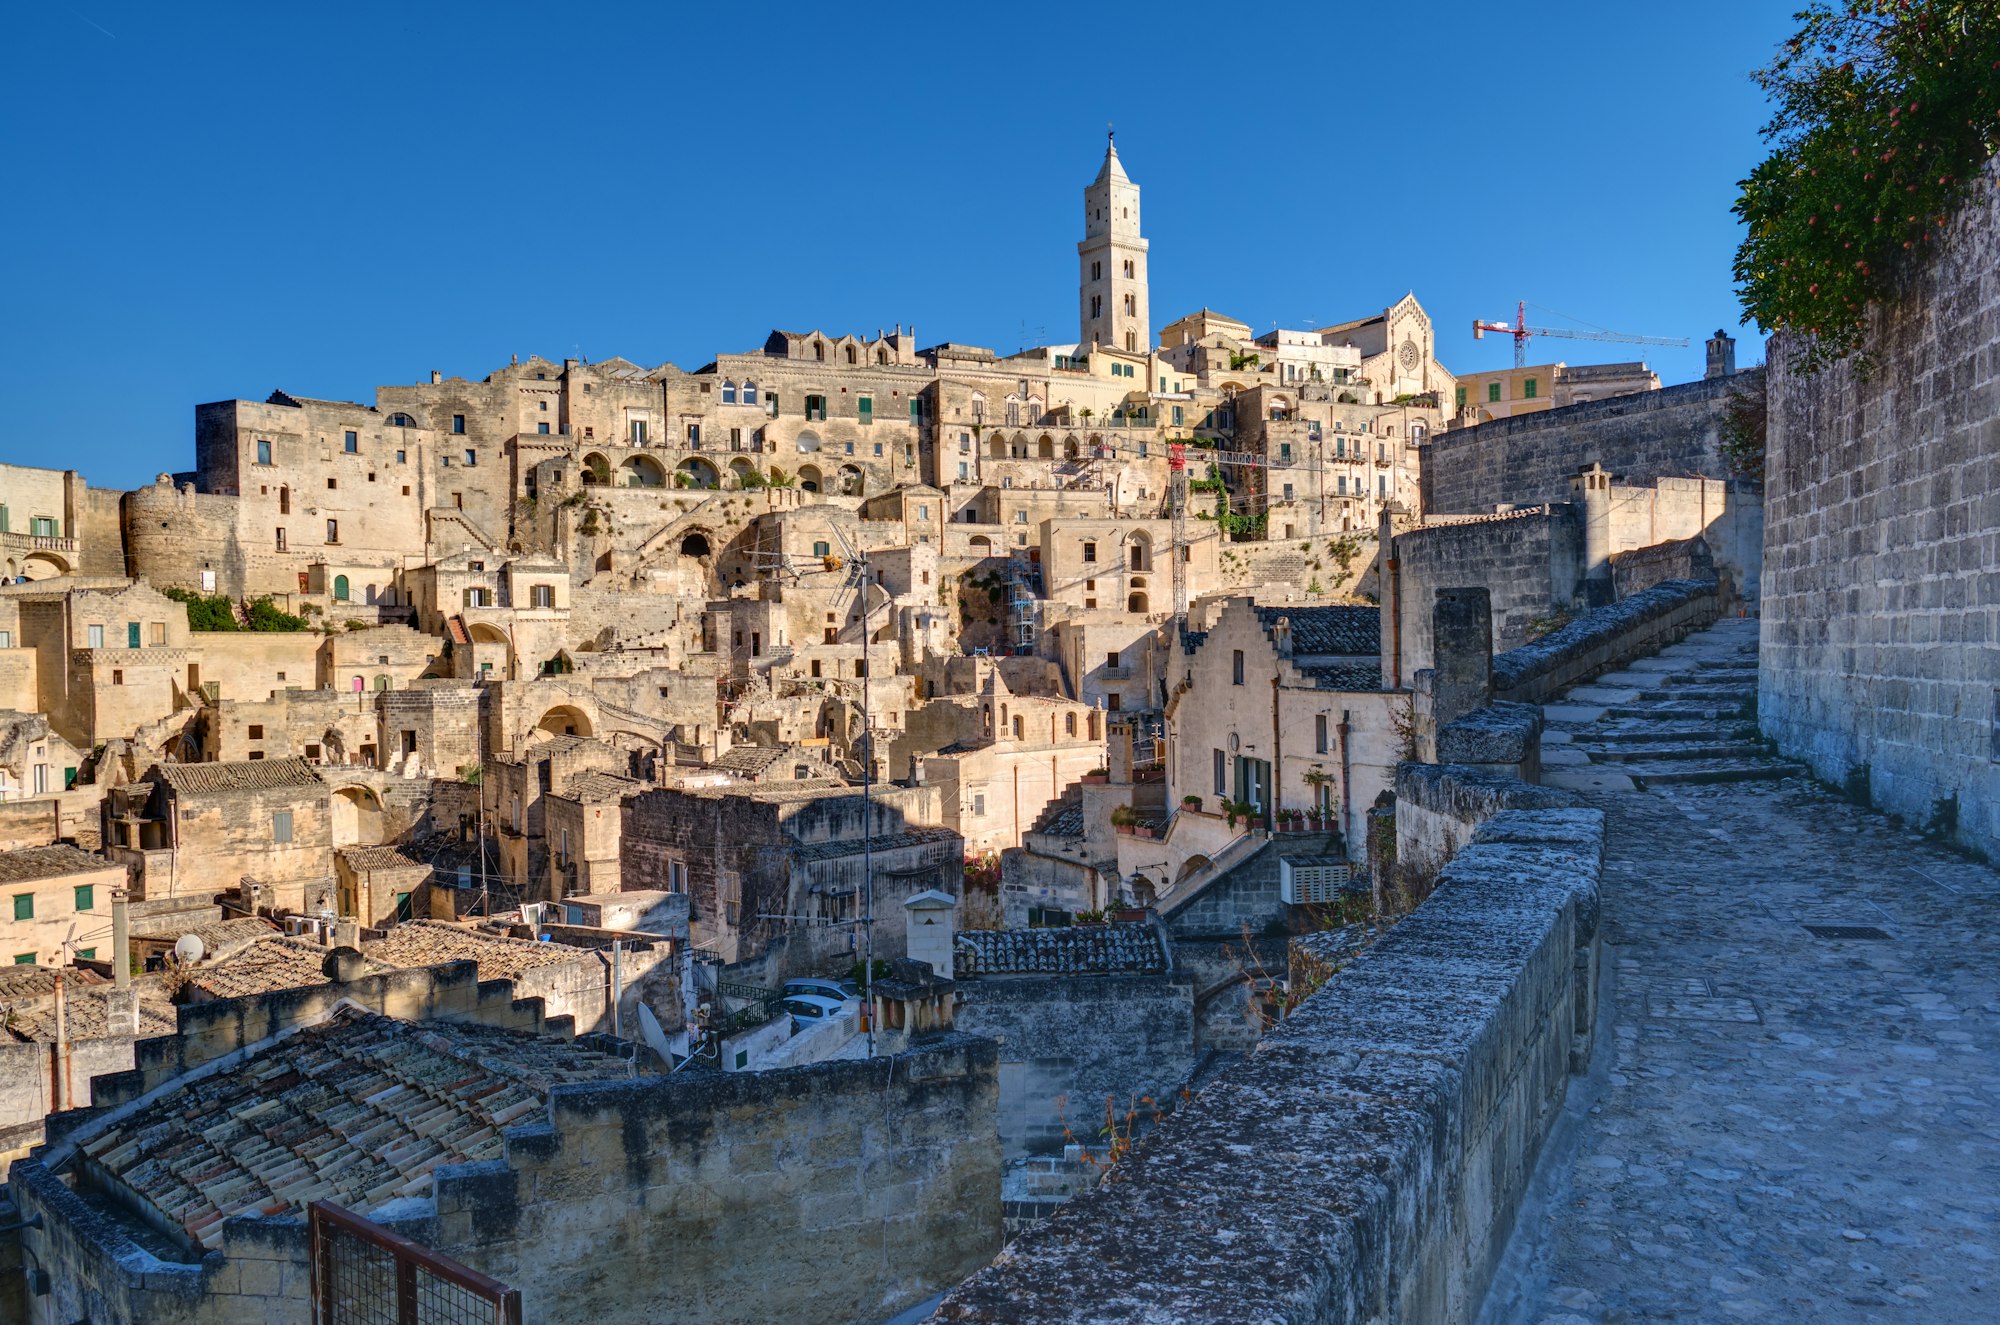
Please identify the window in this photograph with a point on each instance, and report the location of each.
(471, 458)
(95, 636)
(1111, 660)
(1096, 271)
(1177, 416)
(694, 435)
(916, 409)
(131, 634)
(402, 457)
(86, 896)
(256, 731)
(749, 393)
(457, 426)
(1461, 397)
(25, 959)
(865, 406)
(729, 393)
(1128, 268)
(351, 442)
(1492, 392)
(816, 407)
(978, 806)
(117, 676)
(281, 540)
(6, 639)
(1319, 733)
(281, 826)
(332, 484)
(1090, 552)
(1221, 774)
(478, 597)
(541, 429)
(263, 453)
(24, 906)
(333, 531)
(1288, 492)
(1236, 668)
(1528, 388)
(340, 591)
(822, 549)
(542, 595)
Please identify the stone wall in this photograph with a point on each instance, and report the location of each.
(1530, 562)
(1880, 658)
(1642, 568)
(1605, 638)
(1367, 1161)
(1068, 1043)
(1529, 458)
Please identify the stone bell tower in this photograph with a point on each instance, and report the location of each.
(1111, 262)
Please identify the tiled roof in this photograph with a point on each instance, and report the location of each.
(851, 846)
(394, 856)
(591, 785)
(219, 938)
(359, 1110)
(1351, 630)
(238, 775)
(431, 942)
(261, 968)
(748, 760)
(19, 982)
(283, 397)
(33, 863)
(1065, 950)
(85, 1018)
(1346, 676)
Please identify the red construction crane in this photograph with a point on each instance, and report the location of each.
(1520, 331)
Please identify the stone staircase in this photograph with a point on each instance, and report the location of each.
(1687, 714)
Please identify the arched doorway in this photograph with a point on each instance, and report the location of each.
(357, 818)
(642, 471)
(564, 720)
(695, 545)
(810, 479)
(1136, 601)
(699, 474)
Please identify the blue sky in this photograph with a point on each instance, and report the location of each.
(211, 201)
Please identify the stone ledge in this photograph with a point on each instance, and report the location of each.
(1364, 1163)
(1604, 638)
(1500, 733)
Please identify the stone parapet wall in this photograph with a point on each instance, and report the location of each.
(1880, 658)
(1440, 807)
(1366, 1162)
(1605, 638)
(1529, 562)
(1642, 568)
(1675, 432)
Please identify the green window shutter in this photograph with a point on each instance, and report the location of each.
(24, 906)
(25, 959)
(87, 954)
(1493, 392)
(1461, 397)
(3, 520)
(86, 896)
(1528, 388)
(131, 634)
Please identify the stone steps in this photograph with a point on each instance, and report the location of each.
(1659, 733)
(1670, 711)
(1691, 771)
(1633, 754)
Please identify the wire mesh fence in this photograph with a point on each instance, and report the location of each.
(364, 1274)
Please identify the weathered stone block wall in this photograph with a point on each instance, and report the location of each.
(1880, 653)
(1067, 1043)
(1439, 808)
(1605, 638)
(1642, 568)
(1675, 432)
(1530, 562)
(1364, 1164)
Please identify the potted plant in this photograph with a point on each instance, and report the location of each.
(1090, 917)
(1097, 777)
(1191, 803)
(1123, 818)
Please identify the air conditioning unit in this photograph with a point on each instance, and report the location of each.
(1313, 880)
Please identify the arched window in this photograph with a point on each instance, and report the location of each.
(749, 393)
(381, 683)
(729, 393)
(1069, 724)
(819, 349)
(285, 500)
(850, 354)
(401, 421)
(340, 588)
(1020, 727)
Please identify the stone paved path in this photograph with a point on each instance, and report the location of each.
(1778, 1127)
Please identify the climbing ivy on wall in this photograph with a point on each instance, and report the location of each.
(1887, 110)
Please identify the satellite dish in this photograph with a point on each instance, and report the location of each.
(188, 949)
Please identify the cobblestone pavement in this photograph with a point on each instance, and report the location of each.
(1777, 1126)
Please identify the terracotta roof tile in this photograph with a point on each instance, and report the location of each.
(431, 942)
(1064, 950)
(53, 862)
(239, 775)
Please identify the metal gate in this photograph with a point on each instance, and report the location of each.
(363, 1274)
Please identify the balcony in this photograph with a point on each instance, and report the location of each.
(14, 542)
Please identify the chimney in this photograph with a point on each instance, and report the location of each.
(436, 377)
(1721, 354)
(121, 938)
(929, 920)
(343, 966)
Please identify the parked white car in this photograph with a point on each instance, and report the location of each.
(811, 1009)
(838, 990)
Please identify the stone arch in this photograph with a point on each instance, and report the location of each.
(564, 720)
(1139, 551)
(357, 817)
(596, 470)
(1071, 450)
(1045, 449)
(810, 479)
(999, 451)
(979, 545)
(808, 441)
(700, 474)
(1190, 867)
(850, 480)
(695, 544)
(1136, 601)
(44, 565)
(641, 471)
(341, 592)
(741, 470)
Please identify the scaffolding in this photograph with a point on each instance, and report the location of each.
(1024, 587)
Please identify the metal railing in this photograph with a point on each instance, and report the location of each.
(364, 1274)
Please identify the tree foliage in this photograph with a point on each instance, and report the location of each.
(205, 611)
(267, 615)
(1887, 110)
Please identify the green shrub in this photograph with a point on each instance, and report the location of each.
(205, 612)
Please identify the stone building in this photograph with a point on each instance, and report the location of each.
(58, 905)
(209, 827)
(1505, 392)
